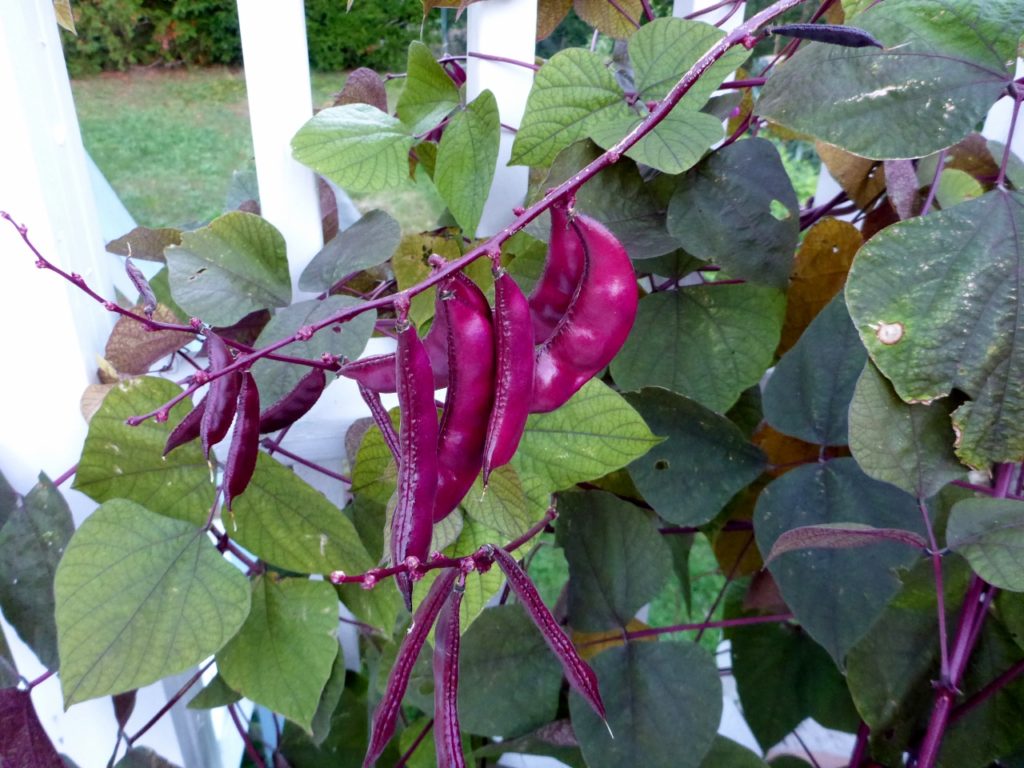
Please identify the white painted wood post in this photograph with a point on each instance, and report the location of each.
(280, 100)
(502, 28)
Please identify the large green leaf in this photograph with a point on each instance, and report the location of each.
(945, 62)
(664, 702)
(368, 243)
(356, 146)
(282, 656)
(572, 93)
(784, 677)
(504, 505)
(595, 433)
(508, 678)
(329, 698)
(808, 395)
(937, 302)
(703, 463)
(8, 500)
(990, 534)
(139, 597)
(726, 753)
(910, 446)
(288, 523)
(428, 94)
(276, 379)
(466, 160)
(738, 210)
(735, 328)
(675, 144)
(122, 462)
(617, 559)
(32, 542)
(835, 593)
(349, 726)
(217, 694)
(234, 265)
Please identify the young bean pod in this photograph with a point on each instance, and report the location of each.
(222, 399)
(386, 714)
(296, 404)
(382, 419)
(245, 441)
(596, 324)
(563, 269)
(447, 735)
(470, 395)
(413, 519)
(188, 428)
(833, 34)
(514, 375)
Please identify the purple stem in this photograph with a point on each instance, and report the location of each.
(624, 13)
(807, 751)
(68, 474)
(404, 759)
(502, 60)
(225, 544)
(250, 748)
(860, 747)
(720, 624)
(1001, 178)
(934, 188)
(721, 592)
(306, 462)
(42, 678)
(752, 82)
(170, 703)
(940, 590)
(648, 10)
(710, 8)
(732, 525)
(810, 217)
(988, 691)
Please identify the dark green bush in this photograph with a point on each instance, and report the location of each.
(375, 33)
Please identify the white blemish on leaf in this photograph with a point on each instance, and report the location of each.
(889, 333)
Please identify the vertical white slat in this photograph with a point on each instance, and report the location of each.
(505, 28)
(280, 101)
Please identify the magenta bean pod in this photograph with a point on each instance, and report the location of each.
(245, 441)
(378, 371)
(386, 714)
(563, 270)
(222, 398)
(413, 520)
(513, 384)
(188, 428)
(577, 671)
(447, 735)
(595, 326)
(296, 404)
(467, 407)
(382, 419)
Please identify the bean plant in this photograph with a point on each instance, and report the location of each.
(663, 345)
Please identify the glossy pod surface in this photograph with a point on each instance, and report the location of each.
(563, 270)
(296, 403)
(187, 429)
(222, 398)
(245, 442)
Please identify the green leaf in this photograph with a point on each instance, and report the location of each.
(329, 698)
(664, 702)
(504, 506)
(735, 327)
(675, 144)
(217, 694)
(9, 500)
(466, 160)
(617, 560)
(738, 209)
(139, 597)
(504, 653)
(9, 677)
(572, 93)
(276, 379)
(555, 739)
(910, 446)
(285, 521)
(945, 62)
(703, 463)
(349, 726)
(31, 544)
(836, 610)
(282, 656)
(368, 243)
(808, 395)
(356, 146)
(956, 186)
(783, 677)
(726, 753)
(429, 94)
(595, 433)
(235, 265)
(375, 474)
(122, 462)
(936, 303)
(989, 532)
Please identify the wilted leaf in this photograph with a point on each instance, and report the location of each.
(132, 348)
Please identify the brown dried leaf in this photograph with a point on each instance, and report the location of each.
(877, 219)
(65, 18)
(861, 178)
(783, 452)
(589, 644)
(363, 86)
(145, 243)
(92, 399)
(132, 349)
(549, 15)
(328, 209)
(609, 20)
(971, 156)
(819, 273)
(763, 594)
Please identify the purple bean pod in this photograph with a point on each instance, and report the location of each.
(222, 399)
(577, 671)
(378, 371)
(142, 285)
(833, 34)
(413, 521)
(245, 442)
(384, 717)
(563, 270)
(382, 419)
(595, 326)
(513, 384)
(467, 407)
(188, 428)
(447, 735)
(296, 404)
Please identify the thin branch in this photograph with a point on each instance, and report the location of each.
(503, 60)
(250, 748)
(940, 161)
(65, 476)
(860, 746)
(940, 590)
(170, 703)
(721, 593)
(988, 691)
(637, 634)
(271, 445)
(404, 759)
